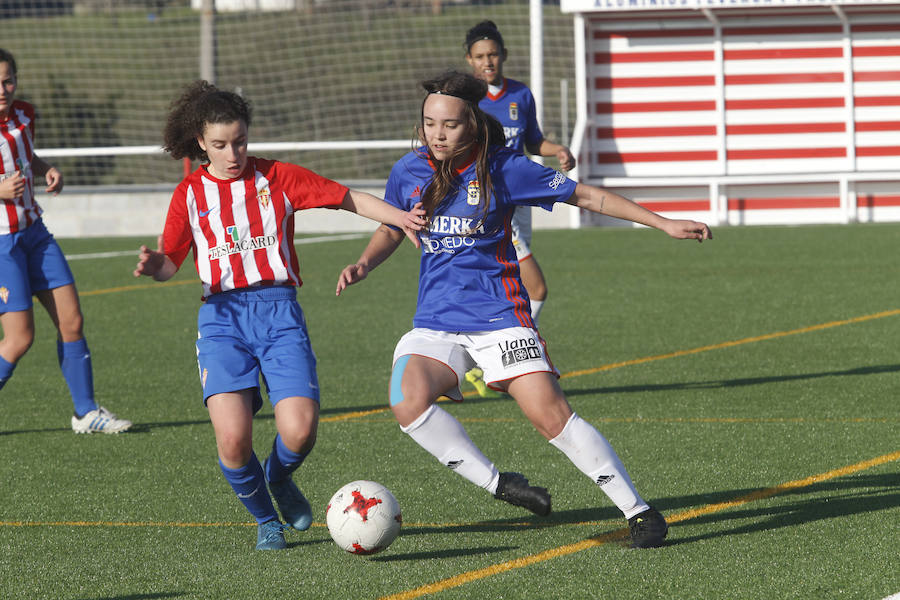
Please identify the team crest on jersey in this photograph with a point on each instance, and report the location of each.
(264, 196)
(514, 111)
(4, 294)
(473, 193)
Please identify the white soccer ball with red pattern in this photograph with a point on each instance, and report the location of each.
(363, 517)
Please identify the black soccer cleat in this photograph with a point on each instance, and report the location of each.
(514, 488)
(648, 529)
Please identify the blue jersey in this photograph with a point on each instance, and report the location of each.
(469, 275)
(514, 107)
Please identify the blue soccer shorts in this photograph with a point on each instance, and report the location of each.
(30, 261)
(248, 333)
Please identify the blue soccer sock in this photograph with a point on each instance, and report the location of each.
(250, 486)
(283, 461)
(75, 363)
(6, 371)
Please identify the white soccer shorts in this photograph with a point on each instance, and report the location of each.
(503, 354)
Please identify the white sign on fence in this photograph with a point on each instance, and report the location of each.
(585, 6)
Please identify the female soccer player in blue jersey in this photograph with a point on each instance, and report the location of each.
(511, 103)
(32, 264)
(472, 308)
(235, 214)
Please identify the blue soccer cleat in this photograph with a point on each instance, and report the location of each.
(293, 505)
(270, 536)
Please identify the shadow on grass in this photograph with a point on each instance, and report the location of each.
(452, 553)
(728, 383)
(843, 497)
(137, 596)
(715, 384)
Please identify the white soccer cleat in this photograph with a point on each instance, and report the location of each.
(99, 420)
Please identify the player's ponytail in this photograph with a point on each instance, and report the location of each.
(488, 133)
(200, 104)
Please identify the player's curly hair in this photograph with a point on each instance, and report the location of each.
(488, 132)
(200, 104)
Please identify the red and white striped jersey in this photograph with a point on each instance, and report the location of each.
(16, 152)
(242, 230)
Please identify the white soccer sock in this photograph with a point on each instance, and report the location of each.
(591, 453)
(443, 436)
(536, 306)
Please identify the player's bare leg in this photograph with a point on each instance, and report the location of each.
(535, 284)
(18, 334)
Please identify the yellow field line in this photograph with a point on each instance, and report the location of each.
(676, 354)
(561, 551)
(120, 524)
(129, 288)
(200, 524)
(463, 578)
(749, 340)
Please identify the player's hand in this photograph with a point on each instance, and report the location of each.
(414, 221)
(12, 187)
(150, 262)
(682, 229)
(54, 180)
(350, 275)
(566, 159)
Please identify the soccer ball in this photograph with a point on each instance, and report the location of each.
(363, 517)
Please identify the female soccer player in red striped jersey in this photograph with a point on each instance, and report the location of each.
(236, 214)
(472, 310)
(32, 264)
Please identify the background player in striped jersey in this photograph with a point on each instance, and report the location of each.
(471, 307)
(236, 213)
(511, 102)
(32, 264)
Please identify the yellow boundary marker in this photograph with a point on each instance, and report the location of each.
(518, 563)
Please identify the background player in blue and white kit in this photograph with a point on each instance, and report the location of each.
(32, 263)
(511, 102)
(472, 308)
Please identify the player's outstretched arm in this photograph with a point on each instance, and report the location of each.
(377, 209)
(609, 203)
(51, 174)
(383, 243)
(547, 148)
(155, 263)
